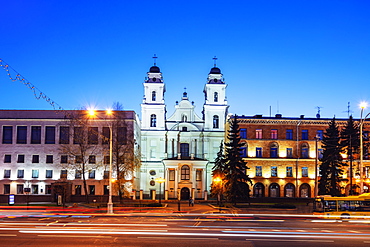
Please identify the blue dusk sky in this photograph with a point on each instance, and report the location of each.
(287, 56)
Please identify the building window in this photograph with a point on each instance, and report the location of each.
(106, 190)
(106, 160)
(273, 171)
(106, 135)
(50, 135)
(185, 172)
(154, 96)
(35, 173)
(153, 120)
(7, 173)
(20, 188)
(21, 134)
(259, 152)
(319, 134)
(49, 174)
(48, 189)
(171, 175)
(215, 122)
(184, 128)
(289, 134)
(78, 174)
(35, 158)
(35, 189)
(243, 152)
(215, 97)
(78, 190)
(198, 175)
(304, 134)
(63, 173)
(92, 159)
(243, 133)
(289, 152)
(152, 182)
(7, 158)
(184, 150)
(274, 150)
(106, 175)
(304, 151)
(304, 171)
(78, 159)
(121, 135)
(78, 135)
(64, 135)
(289, 171)
(258, 171)
(7, 134)
(91, 189)
(6, 188)
(92, 174)
(64, 159)
(20, 158)
(258, 133)
(35, 134)
(20, 173)
(92, 137)
(49, 159)
(274, 134)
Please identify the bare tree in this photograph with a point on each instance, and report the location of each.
(79, 141)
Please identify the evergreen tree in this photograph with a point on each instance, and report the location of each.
(236, 180)
(218, 174)
(350, 141)
(331, 167)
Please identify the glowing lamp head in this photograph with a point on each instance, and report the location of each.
(217, 179)
(363, 105)
(91, 112)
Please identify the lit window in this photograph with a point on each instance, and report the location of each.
(258, 133)
(171, 175)
(259, 152)
(185, 172)
(289, 152)
(274, 134)
(289, 171)
(304, 151)
(35, 173)
(258, 171)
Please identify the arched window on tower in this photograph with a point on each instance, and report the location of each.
(154, 94)
(215, 97)
(215, 121)
(153, 120)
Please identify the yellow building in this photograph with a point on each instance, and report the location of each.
(282, 154)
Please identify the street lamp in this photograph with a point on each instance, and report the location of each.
(110, 202)
(218, 180)
(160, 181)
(362, 120)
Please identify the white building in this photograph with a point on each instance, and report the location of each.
(180, 148)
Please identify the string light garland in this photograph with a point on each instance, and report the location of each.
(38, 94)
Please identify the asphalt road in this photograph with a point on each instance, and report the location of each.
(178, 229)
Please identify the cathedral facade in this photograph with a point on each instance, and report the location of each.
(178, 151)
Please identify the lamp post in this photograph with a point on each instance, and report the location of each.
(160, 181)
(110, 202)
(362, 120)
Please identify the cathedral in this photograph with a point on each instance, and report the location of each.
(179, 150)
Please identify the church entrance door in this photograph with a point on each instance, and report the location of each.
(185, 193)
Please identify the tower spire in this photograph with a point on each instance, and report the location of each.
(214, 59)
(155, 59)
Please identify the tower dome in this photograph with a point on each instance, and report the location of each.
(215, 70)
(154, 69)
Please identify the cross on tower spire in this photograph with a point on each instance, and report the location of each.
(155, 59)
(215, 59)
